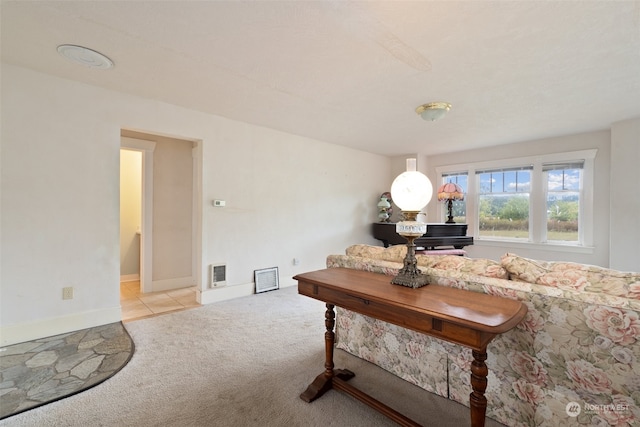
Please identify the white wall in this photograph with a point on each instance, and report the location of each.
(60, 206)
(625, 199)
(601, 140)
(287, 197)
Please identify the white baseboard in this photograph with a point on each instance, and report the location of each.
(225, 293)
(169, 284)
(287, 282)
(14, 334)
(229, 292)
(129, 277)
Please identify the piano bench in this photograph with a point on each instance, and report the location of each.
(459, 252)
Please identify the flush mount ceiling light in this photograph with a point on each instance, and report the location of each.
(84, 56)
(433, 111)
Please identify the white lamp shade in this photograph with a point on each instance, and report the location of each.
(384, 203)
(411, 191)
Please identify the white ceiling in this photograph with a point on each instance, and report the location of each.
(352, 73)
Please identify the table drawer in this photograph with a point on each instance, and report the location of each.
(406, 317)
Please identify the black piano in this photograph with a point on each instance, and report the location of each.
(437, 235)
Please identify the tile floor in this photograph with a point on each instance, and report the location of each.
(136, 305)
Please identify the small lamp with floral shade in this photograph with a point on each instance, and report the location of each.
(448, 193)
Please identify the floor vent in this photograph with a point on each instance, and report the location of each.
(217, 275)
(266, 279)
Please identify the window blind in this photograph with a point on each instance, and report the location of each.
(562, 166)
(510, 169)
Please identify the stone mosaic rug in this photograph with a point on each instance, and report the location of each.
(37, 372)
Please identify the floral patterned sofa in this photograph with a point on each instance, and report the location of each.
(574, 360)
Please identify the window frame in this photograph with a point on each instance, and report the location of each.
(479, 193)
(537, 201)
(545, 179)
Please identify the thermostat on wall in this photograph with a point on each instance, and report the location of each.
(219, 203)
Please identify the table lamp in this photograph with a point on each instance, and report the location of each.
(411, 191)
(383, 209)
(448, 193)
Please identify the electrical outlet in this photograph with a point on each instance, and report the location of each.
(67, 293)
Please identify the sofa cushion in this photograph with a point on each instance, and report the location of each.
(477, 266)
(365, 251)
(573, 276)
(394, 253)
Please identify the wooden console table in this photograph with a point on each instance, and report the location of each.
(468, 318)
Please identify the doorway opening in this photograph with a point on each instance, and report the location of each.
(159, 236)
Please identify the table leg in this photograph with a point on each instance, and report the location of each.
(477, 400)
(324, 381)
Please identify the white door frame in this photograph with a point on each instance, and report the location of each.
(196, 265)
(146, 225)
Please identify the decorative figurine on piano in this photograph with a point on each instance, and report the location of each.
(384, 207)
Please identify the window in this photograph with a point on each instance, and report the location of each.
(542, 200)
(503, 202)
(459, 207)
(563, 200)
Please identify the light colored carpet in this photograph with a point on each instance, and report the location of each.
(242, 362)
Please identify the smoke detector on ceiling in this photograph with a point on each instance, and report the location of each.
(85, 56)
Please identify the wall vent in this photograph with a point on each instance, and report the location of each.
(217, 275)
(266, 279)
